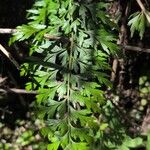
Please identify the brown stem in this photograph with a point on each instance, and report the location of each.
(17, 91)
(7, 31)
(141, 5)
(9, 56)
(135, 48)
(144, 10)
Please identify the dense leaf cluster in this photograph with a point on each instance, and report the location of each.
(70, 44)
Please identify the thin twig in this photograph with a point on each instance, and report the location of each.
(47, 36)
(2, 80)
(7, 31)
(9, 56)
(4, 110)
(17, 91)
(141, 5)
(114, 69)
(145, 11)
(52, 37)
(135, 48)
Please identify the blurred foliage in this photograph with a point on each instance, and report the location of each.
(25, 135)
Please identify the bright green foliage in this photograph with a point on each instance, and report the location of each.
(138, 22)
(144, 87)
(148, 142)
(69, 71)
(25, 138)
(131, 143)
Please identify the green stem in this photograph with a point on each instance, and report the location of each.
(69, 86)
(70, 52)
